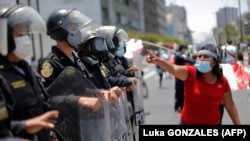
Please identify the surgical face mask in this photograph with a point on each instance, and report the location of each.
(23, 46)
(92, 61)
(121, 45)
(203, 66)
(121, 50)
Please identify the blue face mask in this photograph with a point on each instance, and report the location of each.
(121, 50)
(203, 66)
(92, 61)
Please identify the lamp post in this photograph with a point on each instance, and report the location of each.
(241, 32)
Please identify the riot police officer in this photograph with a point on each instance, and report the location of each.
(65, 26)
(29, 94)
(9, 130)
(93, 53)
(119, 73)
(69, 28)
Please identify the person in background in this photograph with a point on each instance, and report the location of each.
(240, 55)
(205, 87)
(230, 55)
(180, 58)
(166, 55)
(159, 71)
(248, 54)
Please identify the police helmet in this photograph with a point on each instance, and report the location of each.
(54, 30)
(18, 16)
(94, 44)
(70, 25)
(107, 32)
(120, 35)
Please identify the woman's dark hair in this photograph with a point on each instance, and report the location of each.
(217, 71)
(182, 47)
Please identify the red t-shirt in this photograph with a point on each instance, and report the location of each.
(202, 100)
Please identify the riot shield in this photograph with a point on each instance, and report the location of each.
(3, 37)
(78, 123)
(138, 91)
(138, 103)
(117, 121)
(127, 115)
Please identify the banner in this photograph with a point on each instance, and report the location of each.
(237, 76)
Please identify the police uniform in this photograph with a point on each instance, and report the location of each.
(53, 64)
(50, 68)
(8, 128)
(28, 94)
(6, 104)
(97, 74)
(116, 77)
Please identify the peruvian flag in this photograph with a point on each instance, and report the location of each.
(237, 76)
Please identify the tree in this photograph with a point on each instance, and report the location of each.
(247, 27)
(152, 37)
(231, 32)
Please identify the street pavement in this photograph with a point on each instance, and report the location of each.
(159, 107)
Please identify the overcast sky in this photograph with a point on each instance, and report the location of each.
(201, 13)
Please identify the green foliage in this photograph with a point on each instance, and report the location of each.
(246, 38)
(152, 37)
(231, 32)
(247, 16)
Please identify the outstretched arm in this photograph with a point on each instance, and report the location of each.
(178, 71)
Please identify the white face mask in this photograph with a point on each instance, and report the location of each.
(23, 46)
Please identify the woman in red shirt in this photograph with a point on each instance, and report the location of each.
(205, 87)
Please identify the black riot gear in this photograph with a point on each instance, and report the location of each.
(55, 31)
(95, 46)
(107, 32)
(120, 35)
(70, 25)
(111, 46)
(115, 37)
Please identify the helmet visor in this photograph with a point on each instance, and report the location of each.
(122, 36)
(3, 36)
(107, 32)
(26, 20)
(75, 21)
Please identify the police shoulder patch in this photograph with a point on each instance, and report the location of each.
(46, 69)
